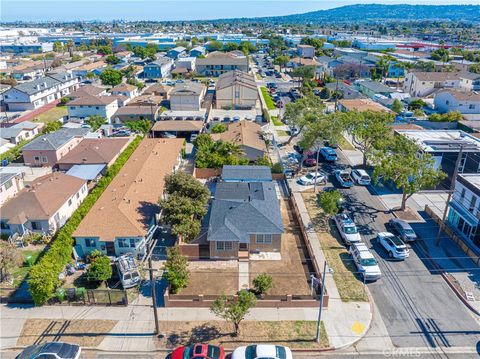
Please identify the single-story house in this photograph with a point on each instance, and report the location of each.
(371, 88)
(361, 105)
(20, 131)
(158, 90)
(176, 52)
(135, 113)
(125, 217)
(244, 218)
(10, 185)
(124, 89)
(44, 206)
(181, 129)
(197, 51)
(466, 102)
(187, 63)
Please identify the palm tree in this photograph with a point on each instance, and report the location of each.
(384, 64)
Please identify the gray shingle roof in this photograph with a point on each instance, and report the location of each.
(4, 177)
(375, 86)
(43, 83)
(188, 88)
(244, 208)
(55, 140)
(246, 173)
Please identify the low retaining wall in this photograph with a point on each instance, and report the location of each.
(205, 301)
(451, 233)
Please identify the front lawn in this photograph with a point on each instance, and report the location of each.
(19, 274)
(349, 286)
(276, 121)
(54, 114)
(268, 99)
(294, 334)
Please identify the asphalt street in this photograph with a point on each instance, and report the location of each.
(418, 308)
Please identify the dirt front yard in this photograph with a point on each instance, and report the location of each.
(86, 333)
(212, 278)
(291, 273)
(295, 334)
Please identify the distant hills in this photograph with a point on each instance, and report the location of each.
(378, 12)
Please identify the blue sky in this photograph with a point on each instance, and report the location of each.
(28, 10)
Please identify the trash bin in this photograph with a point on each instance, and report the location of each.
(80, 293)
(29, 261)
(60, 294)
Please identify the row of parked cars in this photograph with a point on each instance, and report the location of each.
(393, 242)
(58, 350)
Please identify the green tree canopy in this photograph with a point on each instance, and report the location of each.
(397, 106)
(100, 269)
(95, 122)
(403, 163)
(111, 77)
(51, 126)
(234, 311)
(216, 154)
(262, 283)
(176, 270)
(112, 60)
(215, 45)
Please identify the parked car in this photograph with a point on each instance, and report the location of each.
(344, 179)
(262, 351)
(328, 154)
(279, 104)
(365, 262)
(310, 162)
(168, 135)
(310, 178)
(347, 228)
(51, 350)
(394, 246)
(128, 271)
(402, 229)
(361, 177)
(327, 143)
(199, 351)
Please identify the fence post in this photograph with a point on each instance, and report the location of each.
(109, 297)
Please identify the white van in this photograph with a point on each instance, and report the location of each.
(127, 271)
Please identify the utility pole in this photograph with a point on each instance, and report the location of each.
(316, 171)
(154, 295)
(450, 192)
(322, 292)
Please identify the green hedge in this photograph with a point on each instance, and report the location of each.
(15, 152)
(268, 99)
(43, 277)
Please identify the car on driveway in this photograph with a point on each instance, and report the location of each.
(402, 229)
(361, 177)
(310, 178)
(344, 179)
(51, 350)
(328, 154)
(262, 351)
(198, 351)
(347, 228)
(394, 246)
(365, 262)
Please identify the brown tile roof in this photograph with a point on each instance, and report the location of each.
(436, 76)
(91, 66)
(146, 100)
(95, 151)
(305, 62)
(136, 110)
(43, 199)
(463, 95)
(244, 133)
(222, 58)
(123, 87)
(158, 89)
(362, 105)
(89, 100)
(236, 77)
(86, 90)
(173, 125)
(129, 202)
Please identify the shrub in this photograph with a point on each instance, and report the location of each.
(219, 128)
(268, 99)
(100, 270)
(43, 278)
(262, 283)
(329, 201)
(277, 168)
(452, 116)
(176, 270)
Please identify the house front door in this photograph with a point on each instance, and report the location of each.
(243, 247)
(110, 246)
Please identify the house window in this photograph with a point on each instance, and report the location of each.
(90, 242)
(471, 107)
(132, 242)
(70, 202)
(122, 243)
(447, 102)
(462, 195)
(264, 238)
(77, 195)
(8, 184)
(36, 226)
(224, 246)
(44, 159)
(4, 225)
(36, 158)
(473, 202)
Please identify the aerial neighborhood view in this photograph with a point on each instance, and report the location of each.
(266, 179)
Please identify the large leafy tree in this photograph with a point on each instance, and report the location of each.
(111, 77)
(234, 311)
(95, 122)
(403, 163)
(100, 269)
(301, 113)
(215, 154)
(369, 130)
(306, 73)
(176, 270)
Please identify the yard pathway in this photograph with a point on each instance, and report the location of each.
(243, 275)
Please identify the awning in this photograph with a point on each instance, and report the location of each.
(86, 172)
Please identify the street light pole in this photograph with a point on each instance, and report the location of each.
(322, 292)
(449, 197)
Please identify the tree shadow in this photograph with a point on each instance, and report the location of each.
(204, 333)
